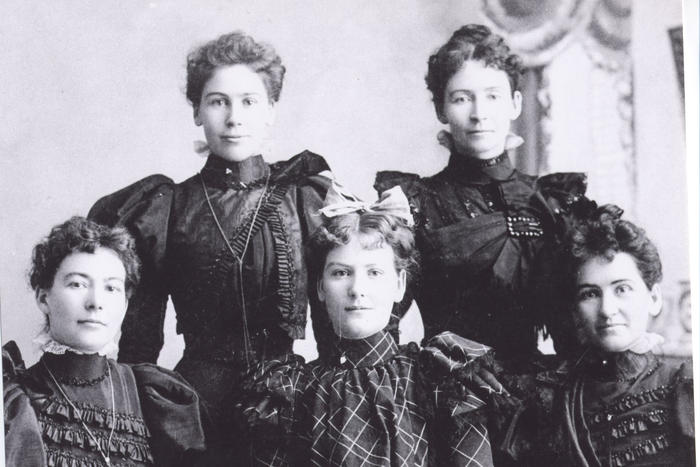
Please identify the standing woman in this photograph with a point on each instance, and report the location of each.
(483, 229)
(226, 244)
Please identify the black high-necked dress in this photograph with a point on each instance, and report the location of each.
(603, 410)
(231, 317)
(157, 417)
(485, 233)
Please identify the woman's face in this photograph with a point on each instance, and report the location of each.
(359, 287)
(235, 112)
(613, 304)
(479, 106)
(86, 304)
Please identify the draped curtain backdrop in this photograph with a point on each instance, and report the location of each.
(577, 89)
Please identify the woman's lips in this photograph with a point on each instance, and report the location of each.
(91, 322)
(356, 308)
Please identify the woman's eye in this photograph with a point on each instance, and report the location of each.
(460, 99)
(492, 96)
(218, 102)
(339, 273)
(375, 272)
(587, 295)
(113, 288)
(250, 101)
(622, 289)
(76, 285)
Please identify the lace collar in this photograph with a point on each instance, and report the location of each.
(239, 175)
(370, 351)
(470, 169)
(626, 365)
(47, 344)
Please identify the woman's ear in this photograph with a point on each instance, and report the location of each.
(657, 299)
(320, 291)
(401, 286)
(517, 105)
(42, 300)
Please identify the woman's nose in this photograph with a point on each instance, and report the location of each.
(233, 115)
(357, 286)
(608, 305)
(477, 109)
(93, 300)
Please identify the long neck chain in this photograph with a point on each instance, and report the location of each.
(105, 455)
(239, 259)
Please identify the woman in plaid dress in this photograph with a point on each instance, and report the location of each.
(378, 403)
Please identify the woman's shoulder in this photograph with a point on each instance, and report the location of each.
(302, 168)
(154, 191)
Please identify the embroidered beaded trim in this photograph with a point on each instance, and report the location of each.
(105, 456)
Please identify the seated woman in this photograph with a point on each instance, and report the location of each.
(484, 230)
(226, 245)
(76, 407)
(379, 403)
(613, 401)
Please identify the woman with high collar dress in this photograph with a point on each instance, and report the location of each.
(612, 401)
(226, 244)
(483, 229)
(377, 403)
(76, 407)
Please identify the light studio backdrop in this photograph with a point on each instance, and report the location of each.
(92, 100)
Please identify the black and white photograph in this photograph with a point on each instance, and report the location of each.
(360, 233)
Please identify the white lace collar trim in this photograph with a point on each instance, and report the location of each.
(47, 344)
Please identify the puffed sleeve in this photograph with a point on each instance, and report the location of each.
(266, 408)
(144, 209)
(683, 411)
(23, 444)
(565, 195)
(447, 361)
(173, 414)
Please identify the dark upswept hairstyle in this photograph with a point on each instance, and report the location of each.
(602, 235)
(235, 48)
(605, 235)
(78, 234)
(374, 230)
(471, 42)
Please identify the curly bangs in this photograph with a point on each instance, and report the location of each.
(373, 229)
(235, 48)
(82, 235)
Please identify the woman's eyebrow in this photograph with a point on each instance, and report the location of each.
(75, 273)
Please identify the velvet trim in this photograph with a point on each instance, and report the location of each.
(97, 416)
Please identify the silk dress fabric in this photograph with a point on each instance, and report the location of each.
(185, 257)
(485, 233)
(623, 409)
(158, 418)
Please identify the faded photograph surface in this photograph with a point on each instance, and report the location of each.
(504, 148)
